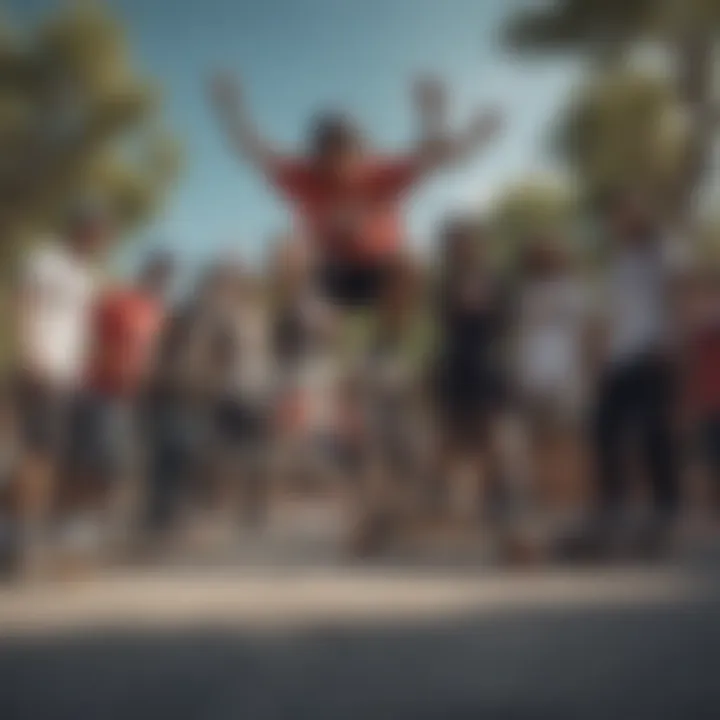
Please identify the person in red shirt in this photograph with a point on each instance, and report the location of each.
(125, 325)
(126, 322)
(347, 198)
(702, 370)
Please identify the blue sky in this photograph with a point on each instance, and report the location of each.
(298, 56)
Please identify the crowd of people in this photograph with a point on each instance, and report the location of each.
(495, 394)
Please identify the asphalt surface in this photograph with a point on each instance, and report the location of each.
(232, 643)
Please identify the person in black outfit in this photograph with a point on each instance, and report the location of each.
(636, 395)
(470, 388)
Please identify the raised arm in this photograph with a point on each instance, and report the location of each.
(455, 148)
(437, 147)
(430, 100)
(226, 98)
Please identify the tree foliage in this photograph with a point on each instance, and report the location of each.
(602, 27)
(625, 128)
(608, 31)
(538, 207)
(77, 118)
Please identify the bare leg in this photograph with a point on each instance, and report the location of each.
(33, 503)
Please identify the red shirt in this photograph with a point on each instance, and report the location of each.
(703, 371)
(125, 325)
(356, 218)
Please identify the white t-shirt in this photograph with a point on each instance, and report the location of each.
(636, 299)
(59, 289)
(553, 317)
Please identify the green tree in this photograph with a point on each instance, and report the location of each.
(76, 118)
(608, 31)
(529, 209)
(625, 128)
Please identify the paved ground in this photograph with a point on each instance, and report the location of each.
(362, 643)
(283, 627)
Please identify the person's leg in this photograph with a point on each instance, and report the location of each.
(92, 453)
(40, 413)
(251, 466)
(660, 438)
(237, 481)
(448, 460)
(710, 438)
(168, 468)
(611, 415)
(119, 474)
(32, 505)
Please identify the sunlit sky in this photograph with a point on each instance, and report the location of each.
(298, 56)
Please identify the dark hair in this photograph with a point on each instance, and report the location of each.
(85, 214)
(333, 131)
(620, 198)
(457, 230)
(542, 252)
(158, 263)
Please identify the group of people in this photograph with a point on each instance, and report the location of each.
(121, 398)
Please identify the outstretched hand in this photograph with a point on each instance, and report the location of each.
(224, 90)
(227, 98)
(485, 125)
(430, 96)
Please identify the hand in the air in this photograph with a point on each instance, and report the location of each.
(430, 96)
(225, 90)
(486, 124)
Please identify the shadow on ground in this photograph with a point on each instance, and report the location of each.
(644, 662)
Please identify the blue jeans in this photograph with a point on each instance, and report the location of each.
(174, 435)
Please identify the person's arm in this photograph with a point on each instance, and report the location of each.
(437, 146)
(25, 297)
(226, 98)
(430, 99)
(452, 149)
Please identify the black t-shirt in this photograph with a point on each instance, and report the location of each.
(473, 317)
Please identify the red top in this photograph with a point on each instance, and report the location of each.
(125, 325)
(357, 218)
(703, 371)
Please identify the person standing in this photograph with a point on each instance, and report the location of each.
(241, 361)
(53, 307)
(470, 378)
(636, 393)
(175, 408)
(551, 372)
(125, 325)
(701, 372)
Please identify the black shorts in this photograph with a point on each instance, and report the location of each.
(240, 424)
(354, 286)
(467, 403)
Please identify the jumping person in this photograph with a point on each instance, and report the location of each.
(349, 198)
